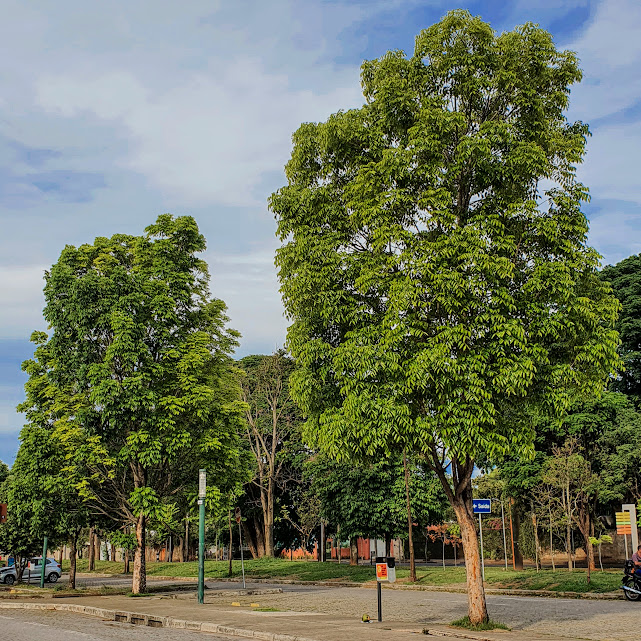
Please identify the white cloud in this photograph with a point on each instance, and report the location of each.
(610, 53)
(209, 139)
(21, 300)
(611, 168)
(615, 234)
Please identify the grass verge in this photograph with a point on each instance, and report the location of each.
(478, 627)
(496, 577)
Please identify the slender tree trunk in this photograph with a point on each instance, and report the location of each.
(181, 550)
(140, 562)
(113, 552)
(551, 541)
(126, 551)
(568, 543)
(231, 541)
(516, 521)
(388, 544)
(537, 545)
(92, 550)
(584, 522)
(72, 561)
(186, 552)
(61, 557)
(353, 551)
(409, 520)
(269, 520)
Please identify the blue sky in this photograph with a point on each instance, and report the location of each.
(112, 113)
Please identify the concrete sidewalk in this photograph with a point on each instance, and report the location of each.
(248, 623)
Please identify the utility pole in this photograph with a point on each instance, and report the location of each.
(202, 492)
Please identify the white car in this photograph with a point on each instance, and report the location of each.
(32, 572)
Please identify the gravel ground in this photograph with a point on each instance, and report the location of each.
(578, 619)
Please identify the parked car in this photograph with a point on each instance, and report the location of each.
(32, 572)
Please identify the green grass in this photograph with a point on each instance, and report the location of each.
(133, 595)
(496, 577)
(267, 610)
(478, 627)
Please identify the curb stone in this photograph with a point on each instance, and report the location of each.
(137, 618)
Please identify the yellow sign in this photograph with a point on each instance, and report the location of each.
(623, 523)
(381, 571)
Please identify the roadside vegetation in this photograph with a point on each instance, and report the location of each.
(266, 568)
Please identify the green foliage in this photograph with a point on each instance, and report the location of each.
(138, 366)
(369, 499)
(625, 280)
(438, 296)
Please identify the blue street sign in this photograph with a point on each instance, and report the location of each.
(482, 506)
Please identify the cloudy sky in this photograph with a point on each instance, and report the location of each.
(114, 112)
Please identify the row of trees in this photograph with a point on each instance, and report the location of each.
(446, 313)
(134, 390)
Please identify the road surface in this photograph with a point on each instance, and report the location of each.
(65, 626)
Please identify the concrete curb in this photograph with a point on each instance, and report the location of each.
(137, 618)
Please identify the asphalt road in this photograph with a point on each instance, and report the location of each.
(65, 626)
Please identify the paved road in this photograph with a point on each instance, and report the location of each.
(65, 626)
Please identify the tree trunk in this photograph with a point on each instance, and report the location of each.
(61, 557)
(568, 544)
(113, 552)
(516, 521)
(126, 560)
(72, 561)
(186, 553)
(269, 521)
(409, 520)
(250, 538)
(231, 541)
(140, 563)
(457, 485)
(477, 607)
(92, 550)
(584, 522)
(551, 542)
(388, 544)
(181, 549)
(537, 545)
(353, 551)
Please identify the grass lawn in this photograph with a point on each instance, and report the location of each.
(496, 577)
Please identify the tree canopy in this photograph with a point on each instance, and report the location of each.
(434, 259)
(625, 279)
(143, 353)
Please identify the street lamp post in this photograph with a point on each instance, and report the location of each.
(202, 491)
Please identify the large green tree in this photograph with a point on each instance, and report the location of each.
(625, 279)
(138, 339)
(434, 260)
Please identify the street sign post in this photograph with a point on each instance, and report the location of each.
(624, 526)
(482, 506)
(385, 572)
(202, 493)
